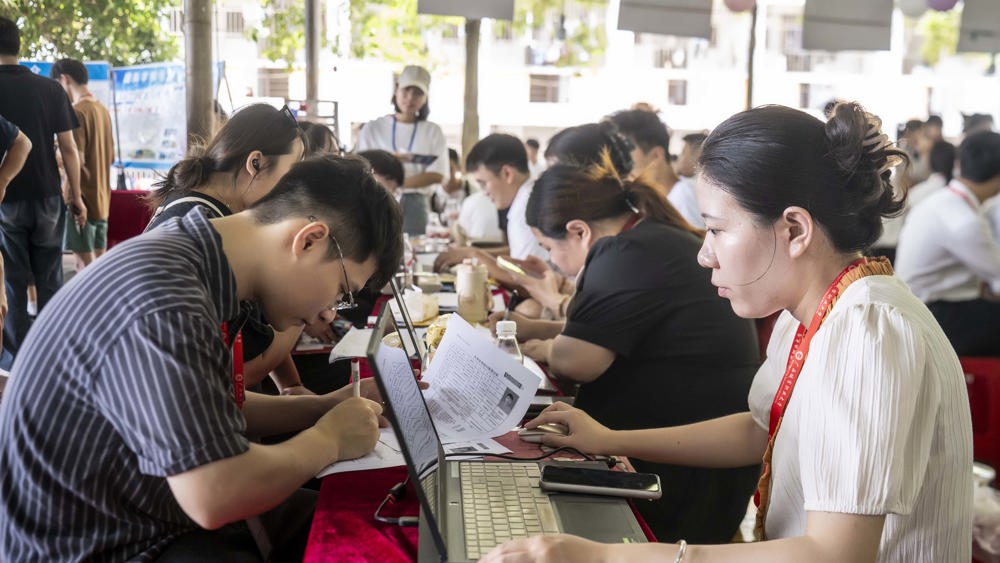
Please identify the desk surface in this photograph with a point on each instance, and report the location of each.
(344, 529)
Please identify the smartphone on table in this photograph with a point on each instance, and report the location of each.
(588, 480)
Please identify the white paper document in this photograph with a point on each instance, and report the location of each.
(354, 344)
(387, 453)
(476, 390)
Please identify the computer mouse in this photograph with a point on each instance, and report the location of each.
(534, 435)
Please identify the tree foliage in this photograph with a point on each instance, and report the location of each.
(940, 33)
(123, 32)
(391, 30)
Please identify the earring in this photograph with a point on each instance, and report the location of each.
(256, 164)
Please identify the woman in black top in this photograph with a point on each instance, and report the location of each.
(241, 164)
(646, 335)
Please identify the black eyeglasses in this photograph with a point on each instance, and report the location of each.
(288, 113)
(341, 305)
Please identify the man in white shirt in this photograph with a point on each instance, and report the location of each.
(947, 251)
(651, 156)
(499, 164)
(536, 165)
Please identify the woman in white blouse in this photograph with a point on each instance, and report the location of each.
(419, 144)
(864, 428)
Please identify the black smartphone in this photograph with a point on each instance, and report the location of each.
(592, 481)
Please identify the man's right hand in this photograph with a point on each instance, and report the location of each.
(353, 423)
(79, 211)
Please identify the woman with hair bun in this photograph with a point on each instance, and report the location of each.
(240, 165)
(860, 411)
(643, 333)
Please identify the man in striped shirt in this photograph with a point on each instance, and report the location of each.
(122, 438)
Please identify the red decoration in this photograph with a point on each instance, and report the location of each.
(740, 5)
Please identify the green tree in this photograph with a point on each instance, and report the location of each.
(940, 33)
(123, 32)
(282, 33)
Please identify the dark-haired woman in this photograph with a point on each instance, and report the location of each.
(240, 165)
(645, 336)
(418, 143)
(860, 409)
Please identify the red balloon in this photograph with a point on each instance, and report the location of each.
(740, 5)
(941, 5)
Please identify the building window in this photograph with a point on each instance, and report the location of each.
(677, 92)
(234, 22)
(544, 88)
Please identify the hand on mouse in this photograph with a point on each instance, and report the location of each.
(583, 432)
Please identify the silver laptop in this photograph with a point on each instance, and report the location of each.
(469, 507)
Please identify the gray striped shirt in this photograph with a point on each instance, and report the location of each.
(123, 380)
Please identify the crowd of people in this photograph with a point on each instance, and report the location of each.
(132, 421)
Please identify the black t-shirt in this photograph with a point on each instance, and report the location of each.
(40, 108)
(8, 133)
(682, 356)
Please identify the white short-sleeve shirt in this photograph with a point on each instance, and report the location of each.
(420, 137)
(682, 197)
(519, 236)
(878, 424)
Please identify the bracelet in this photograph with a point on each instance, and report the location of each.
(680, 551)
(287, 387)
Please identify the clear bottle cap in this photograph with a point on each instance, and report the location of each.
(506, 328)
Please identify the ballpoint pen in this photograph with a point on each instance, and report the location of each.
(356, 377)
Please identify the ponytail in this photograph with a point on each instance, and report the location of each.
(564, 193)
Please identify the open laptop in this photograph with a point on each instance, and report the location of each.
(468, 507)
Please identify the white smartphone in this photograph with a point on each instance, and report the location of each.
(592, 481)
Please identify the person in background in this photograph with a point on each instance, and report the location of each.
(868, 451)
(319, 138)
(687, 162)
(948, 250)
(499, 164)
(418, 143)
(535, 165)
(933, 129)
(135, 444)
(650, 140)
(93, 140)
(642, 333)
(33, 211)
(976, 122)
(387, 169)
(478, 218)
(14, 149)
(239, 166)
(584, 145)
(942, 163)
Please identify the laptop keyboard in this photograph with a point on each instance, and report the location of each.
(502, 501)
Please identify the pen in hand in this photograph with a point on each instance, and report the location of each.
(356, 377)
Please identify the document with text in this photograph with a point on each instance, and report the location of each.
(476, 390)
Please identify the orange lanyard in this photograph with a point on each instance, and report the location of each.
(239, 395)
(964, 197)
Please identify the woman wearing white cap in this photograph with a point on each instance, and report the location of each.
(419, 144)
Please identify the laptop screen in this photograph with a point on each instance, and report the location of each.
(410, 418)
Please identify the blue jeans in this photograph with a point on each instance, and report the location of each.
(31, 238)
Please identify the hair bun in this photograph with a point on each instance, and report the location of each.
(857, 143)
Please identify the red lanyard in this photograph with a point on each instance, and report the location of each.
(800, 348)
(964, 197)
(238, 389)
(630, 223)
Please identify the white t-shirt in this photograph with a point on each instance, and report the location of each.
(478, 217)
(878, 424)
(947, 248)
(421, 137)
(682, 197)
(519, 236)
(536, 168)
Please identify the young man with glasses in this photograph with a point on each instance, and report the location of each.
(131, 442)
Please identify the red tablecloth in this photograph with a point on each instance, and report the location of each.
(345, 530)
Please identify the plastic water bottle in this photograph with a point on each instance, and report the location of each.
(507, 339)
